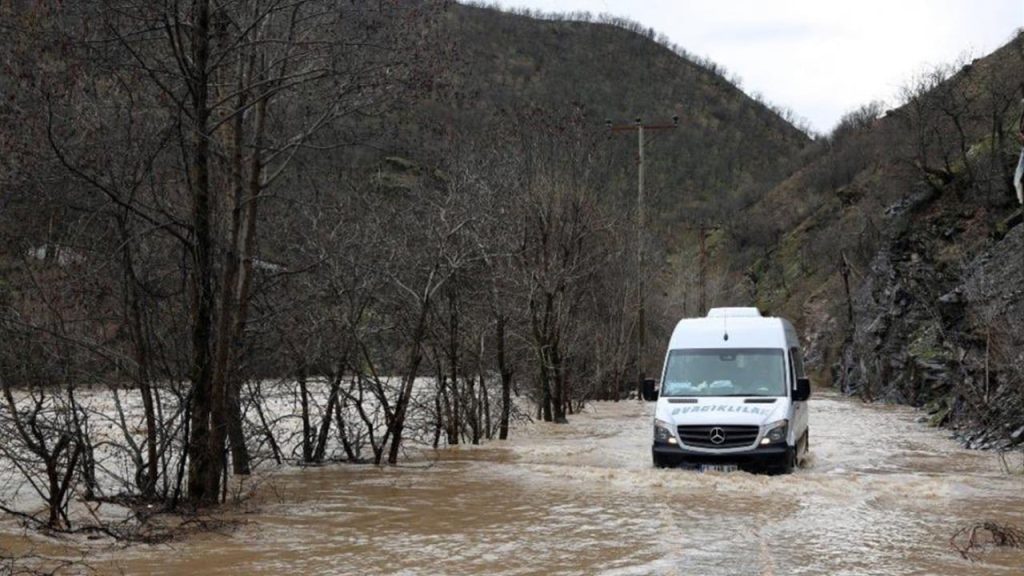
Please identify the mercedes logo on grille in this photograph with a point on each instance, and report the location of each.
(716, 435)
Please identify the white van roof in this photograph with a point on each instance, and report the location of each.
(722, 329)
(734, 313)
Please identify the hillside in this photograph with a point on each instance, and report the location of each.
(914, 204)
(238, 238)
(727, 149)
(918, 204)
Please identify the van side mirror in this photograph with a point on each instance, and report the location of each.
(650, 389)
(803, 390)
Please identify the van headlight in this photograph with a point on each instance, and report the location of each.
(776, 432)
(663, 432)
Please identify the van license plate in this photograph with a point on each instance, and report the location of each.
(718, 467)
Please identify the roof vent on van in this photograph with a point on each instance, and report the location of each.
(734, 313)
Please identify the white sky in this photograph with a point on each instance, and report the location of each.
(821, 58)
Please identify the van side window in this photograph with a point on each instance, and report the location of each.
(796, 359)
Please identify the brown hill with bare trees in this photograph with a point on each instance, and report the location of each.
(728, 149)
(236, 235)
(249, 233)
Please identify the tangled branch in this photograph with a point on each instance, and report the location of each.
(970, 541)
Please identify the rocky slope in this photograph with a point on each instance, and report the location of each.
(903, 258)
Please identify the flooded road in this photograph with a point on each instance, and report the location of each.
(881, 494)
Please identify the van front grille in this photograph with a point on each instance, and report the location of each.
(720, 436)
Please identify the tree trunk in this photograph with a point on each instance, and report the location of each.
(404, 397)
(488, 429)
(474, 411)
(307, 448)
(545, 403)
(142, 376)
(438, 420)
(274, 448)
(542, 342)
(559, 378)
(243, 288)
(325, 424)
(207, 404)
(343, 432)
(453, 366)
(451, 432)
(506, 380)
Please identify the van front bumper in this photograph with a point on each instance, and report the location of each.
(761, 457)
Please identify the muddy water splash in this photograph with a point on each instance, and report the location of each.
(881, 494)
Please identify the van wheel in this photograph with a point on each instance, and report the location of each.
(662, 462)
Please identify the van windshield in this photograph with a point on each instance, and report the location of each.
(726, 372)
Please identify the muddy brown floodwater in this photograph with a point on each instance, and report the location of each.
(881, 494)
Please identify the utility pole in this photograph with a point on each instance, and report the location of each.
(703, 269)
(702, 263)
(641, 288)
(641, 319)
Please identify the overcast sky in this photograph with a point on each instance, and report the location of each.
(821, 58)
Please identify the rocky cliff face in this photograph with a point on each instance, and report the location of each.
(987, 310)
(939, 319)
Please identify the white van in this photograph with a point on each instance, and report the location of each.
(733, 394)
